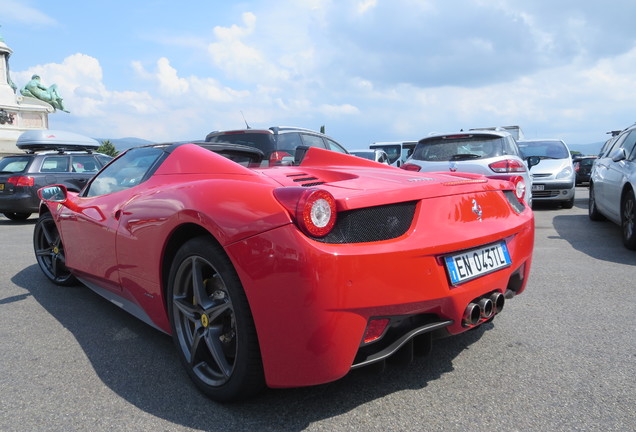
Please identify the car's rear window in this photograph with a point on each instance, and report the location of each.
(14, 164)
(459, 147)
(261, 141)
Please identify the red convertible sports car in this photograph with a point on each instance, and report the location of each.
(287, 275)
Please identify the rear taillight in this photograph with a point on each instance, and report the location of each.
(375, 329)
(21, 181)
(520, 185)
(313, 210)
(411, 167)
(278, 156)
(507, 166)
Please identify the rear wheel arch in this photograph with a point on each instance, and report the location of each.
(179, 237)
(213, 308)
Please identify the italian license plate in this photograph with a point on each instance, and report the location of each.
(537, 187)
(477, 262)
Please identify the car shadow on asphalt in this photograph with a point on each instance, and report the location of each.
(30, 221)
(140, 364)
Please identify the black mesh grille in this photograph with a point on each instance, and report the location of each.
(514, 201)
(371, 224)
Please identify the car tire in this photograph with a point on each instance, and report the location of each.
(211, 322)
(628, 220)
(17, 216)
(568, 204)
(592, 210)
(49, 252)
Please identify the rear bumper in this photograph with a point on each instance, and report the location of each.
(19, 202)
(312, 302)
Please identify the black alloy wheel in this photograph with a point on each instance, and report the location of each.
(49, 251)
(211, 323)
(628, 220)
(17, 216)
(592, 210)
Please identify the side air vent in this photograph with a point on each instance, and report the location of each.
(371, 224)
(305, 180)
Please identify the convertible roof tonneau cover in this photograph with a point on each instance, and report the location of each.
(35, 140)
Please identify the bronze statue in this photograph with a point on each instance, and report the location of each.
(47, 94)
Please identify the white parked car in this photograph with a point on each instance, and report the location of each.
(554, 178)
(374, 155)
(398, 151)
(612, 186)
(486, 152)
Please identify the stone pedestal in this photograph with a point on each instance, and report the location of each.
(17, 113)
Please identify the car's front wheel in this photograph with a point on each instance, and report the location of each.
(592, 210)
(211, 323)
(17, 216)
(49, 251)
(628, 220)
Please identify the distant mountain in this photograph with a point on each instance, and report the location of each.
(126, 143)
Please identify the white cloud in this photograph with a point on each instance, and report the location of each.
(17, 11)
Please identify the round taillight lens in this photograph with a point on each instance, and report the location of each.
(313, 210)
(316, 213)
(520, 188)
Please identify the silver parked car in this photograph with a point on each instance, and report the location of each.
(554, 178)
(612, 185)
(493, 153)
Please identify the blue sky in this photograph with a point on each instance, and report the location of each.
(369, 70)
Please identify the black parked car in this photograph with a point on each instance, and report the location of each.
(583, 168)
(278, 144)
(51, 157)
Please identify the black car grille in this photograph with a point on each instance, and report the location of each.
(545, 194)
(371, 224)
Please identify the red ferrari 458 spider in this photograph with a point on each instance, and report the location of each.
(289, 275)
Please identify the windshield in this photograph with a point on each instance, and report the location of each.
(459, 147)
(14, 164)
(544, 149)
(364, 154)
(394, 151)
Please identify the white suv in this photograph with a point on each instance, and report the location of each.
(490, 153)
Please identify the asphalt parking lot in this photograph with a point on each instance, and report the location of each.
(560, 357)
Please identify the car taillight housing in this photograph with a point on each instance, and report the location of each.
(507, 166)
(520, 185)
(277, 156)
(21, 181)
(411, 167)
(313, 210)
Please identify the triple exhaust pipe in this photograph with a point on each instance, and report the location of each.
(483, 308)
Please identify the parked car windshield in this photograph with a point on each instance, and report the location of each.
(14, 164)
(544, 149)
(459, 147)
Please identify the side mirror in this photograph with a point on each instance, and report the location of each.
(55, 193)
(618, 155)
(532, 161)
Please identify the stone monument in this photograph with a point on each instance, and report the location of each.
(19, 113)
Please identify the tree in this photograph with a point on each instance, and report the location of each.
(108, 148)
